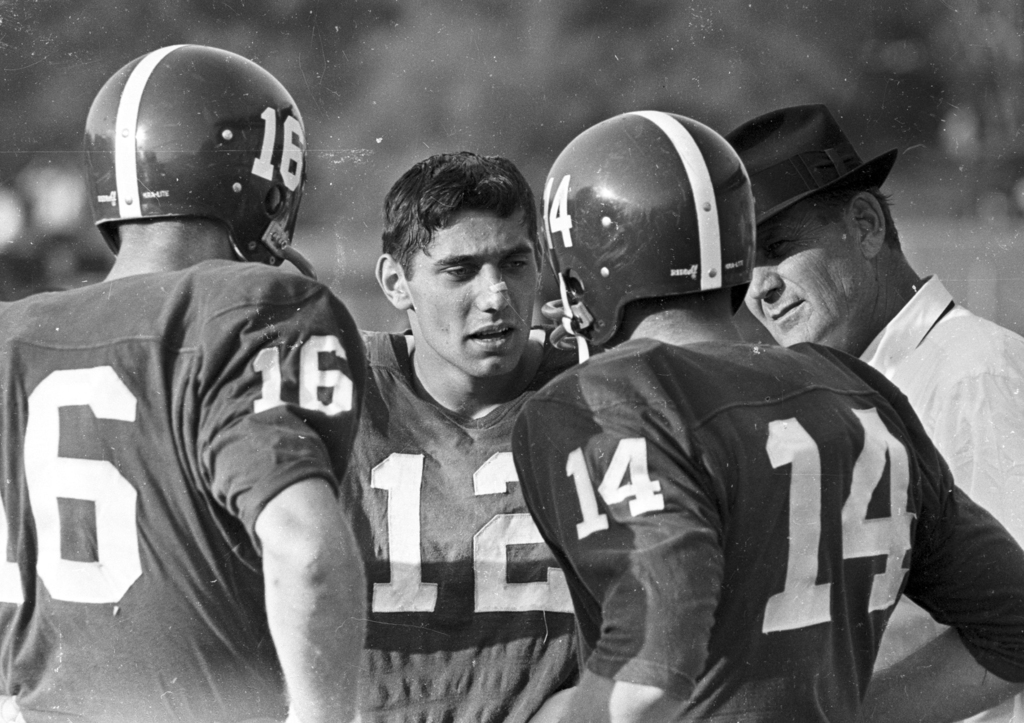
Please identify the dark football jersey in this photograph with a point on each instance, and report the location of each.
(736, 523)
(146, 422)
(470, 617)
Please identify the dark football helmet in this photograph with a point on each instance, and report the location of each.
(645, 205)
(189, 130)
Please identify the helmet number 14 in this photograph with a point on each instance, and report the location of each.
(556, 215)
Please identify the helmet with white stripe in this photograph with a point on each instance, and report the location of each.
(645, 205)
(194, 131)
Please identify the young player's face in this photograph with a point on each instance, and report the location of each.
(811, 282)
(472, 291)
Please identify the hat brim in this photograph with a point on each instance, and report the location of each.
(869, 175)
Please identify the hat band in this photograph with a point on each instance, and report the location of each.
(799, 174)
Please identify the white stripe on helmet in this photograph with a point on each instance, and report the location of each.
(703, 195)
(125, 167)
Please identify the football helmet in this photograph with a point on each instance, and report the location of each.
(644, 205)
(189, 130)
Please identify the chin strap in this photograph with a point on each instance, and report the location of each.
(569, 324)
(298, 261)
(276, 239)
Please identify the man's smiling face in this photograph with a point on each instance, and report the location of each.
(811, 281)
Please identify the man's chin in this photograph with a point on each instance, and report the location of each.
(789, 337)
(498, 362)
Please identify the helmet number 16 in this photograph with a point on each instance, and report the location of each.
(291, 152)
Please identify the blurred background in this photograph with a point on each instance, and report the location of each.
(384, 83)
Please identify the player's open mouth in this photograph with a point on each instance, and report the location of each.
(492, 334)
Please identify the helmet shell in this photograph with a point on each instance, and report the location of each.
(190, 130)
(645, 205)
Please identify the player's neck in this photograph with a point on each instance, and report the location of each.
(170, 245)
(471, 397)
(684, 321)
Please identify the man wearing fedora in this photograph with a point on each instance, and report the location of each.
(830, 270)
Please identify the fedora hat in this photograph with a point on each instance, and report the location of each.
(795, 152)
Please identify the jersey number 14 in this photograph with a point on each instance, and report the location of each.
(803, 601)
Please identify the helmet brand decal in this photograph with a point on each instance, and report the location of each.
(735, 264)
(691, 272)
(704, 201)
(156, 194)
(125, 163)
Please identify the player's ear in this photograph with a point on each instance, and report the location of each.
(391, 277)
(868, 220)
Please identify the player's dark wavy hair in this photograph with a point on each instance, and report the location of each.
(429, 195)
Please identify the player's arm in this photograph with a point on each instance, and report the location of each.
(315, 593)
(553, 709)
(600, 700)
(637, 552)
(940, 682)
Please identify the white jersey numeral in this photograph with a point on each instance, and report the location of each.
(291, 154)
(312, 378)
(890, 535)
(803, 603)
(291, 151)
(268, 364)
(557, 214)
(593, 519)
(51, 478)
(630, 457)
(262, 166)
(493, 592)
(402, 476)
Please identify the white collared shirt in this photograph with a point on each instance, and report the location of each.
(964, 376)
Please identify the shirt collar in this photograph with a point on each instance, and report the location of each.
(908, 328)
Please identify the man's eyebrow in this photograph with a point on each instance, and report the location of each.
(455, 260)
(462, 259)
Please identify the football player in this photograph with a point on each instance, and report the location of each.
(173, 436)
(735, 522)
(469, 616)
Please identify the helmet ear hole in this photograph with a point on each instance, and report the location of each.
(574, 284)
(274, 200)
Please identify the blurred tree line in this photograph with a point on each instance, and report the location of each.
(383, 83)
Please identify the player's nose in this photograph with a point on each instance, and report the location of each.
(492, 295)
(766, 287)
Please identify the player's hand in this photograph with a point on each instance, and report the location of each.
(554, 708)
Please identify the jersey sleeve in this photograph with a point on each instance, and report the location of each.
(968, 572)
(282, 378)
(630, 515)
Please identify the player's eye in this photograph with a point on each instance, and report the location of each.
(459, 273)
(775, 249)
(516, 263)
